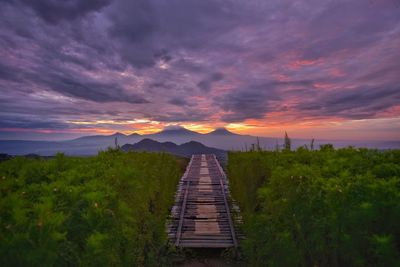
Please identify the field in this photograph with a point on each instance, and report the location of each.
(306, 207)
(107, 210)
(318, 207)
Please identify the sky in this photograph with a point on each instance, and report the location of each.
(327, 69)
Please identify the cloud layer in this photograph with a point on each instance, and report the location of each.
(107, 65)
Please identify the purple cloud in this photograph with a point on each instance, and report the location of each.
(209, 61)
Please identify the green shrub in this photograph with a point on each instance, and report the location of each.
(107, 210)
(318, 208)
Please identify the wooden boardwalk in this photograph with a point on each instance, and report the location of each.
(201, 216)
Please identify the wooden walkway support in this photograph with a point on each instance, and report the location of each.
(201, 216)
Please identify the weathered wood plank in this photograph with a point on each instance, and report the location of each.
(201, 216)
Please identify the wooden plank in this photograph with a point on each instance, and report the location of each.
(201, 215)
(206, 245)
(227, 207)
(179, 232)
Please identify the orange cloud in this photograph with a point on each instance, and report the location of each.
(337, 72)
(301, 63)
(323, 85)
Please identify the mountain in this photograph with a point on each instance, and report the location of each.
(150, 146)
(221, 132)
(176, 134)
(185, 150)
(175, 131)
(93, 143)
(100, 138)
(221, 139)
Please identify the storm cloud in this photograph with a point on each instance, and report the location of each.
(207, 62)
(53, 11)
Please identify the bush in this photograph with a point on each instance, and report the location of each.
(318, 208)
(107, 210)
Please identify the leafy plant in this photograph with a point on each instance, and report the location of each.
(322, 207)
(107, 210)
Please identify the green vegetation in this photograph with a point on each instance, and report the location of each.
(318, 208)
(107, 210)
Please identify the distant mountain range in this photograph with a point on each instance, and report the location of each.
(221, 138)
(184, 150)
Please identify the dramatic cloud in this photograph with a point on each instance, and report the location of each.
(206, 84)
(252, 102)
(53, 11)
(134, 65)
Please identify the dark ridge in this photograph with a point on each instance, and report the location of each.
(97, 137)
(4, 157)
(185, 150)
(150, 145)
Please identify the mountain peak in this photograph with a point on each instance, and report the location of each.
(117, 134)
(221, 131)
(173, 128)
(176, 129)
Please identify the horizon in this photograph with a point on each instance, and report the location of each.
(178, 127)
(317, 70)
